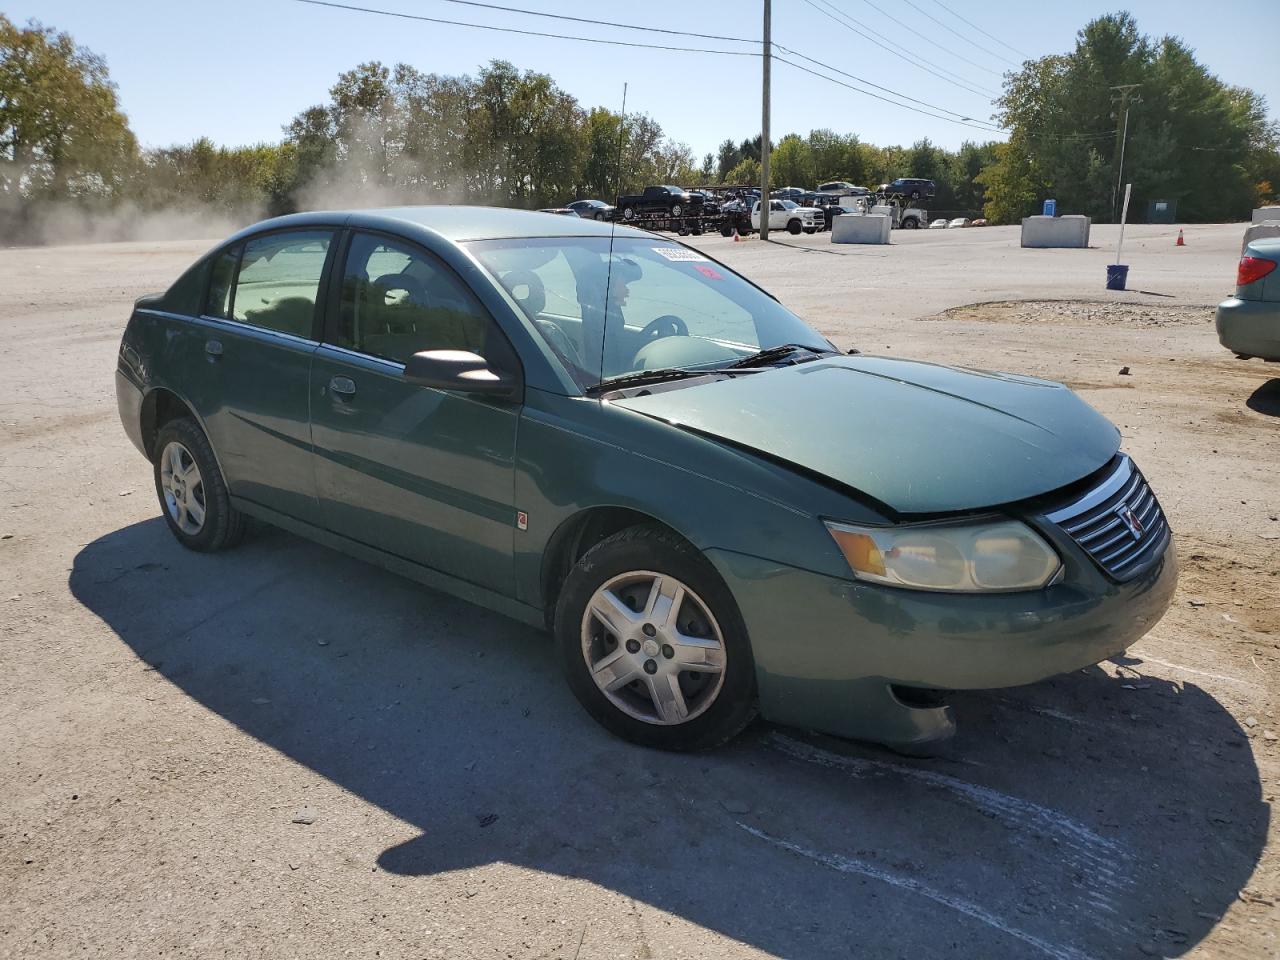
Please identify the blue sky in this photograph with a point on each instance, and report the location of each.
(237, 70)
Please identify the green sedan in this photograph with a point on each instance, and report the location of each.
(1249, 322)
(600, 431)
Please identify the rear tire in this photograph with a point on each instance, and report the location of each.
(192, 492)
(628, 213)
(667, 662)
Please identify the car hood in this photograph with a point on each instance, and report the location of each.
(918, 437)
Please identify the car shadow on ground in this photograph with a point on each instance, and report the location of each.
(1266, 399)
(1085, 816)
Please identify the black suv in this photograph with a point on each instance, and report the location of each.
(911, 188)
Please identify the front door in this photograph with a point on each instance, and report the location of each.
(425, 474)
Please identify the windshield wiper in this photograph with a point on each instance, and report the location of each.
(641, 377)
(764, 357)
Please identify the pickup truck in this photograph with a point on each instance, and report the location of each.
(789, 216)
(666, 201)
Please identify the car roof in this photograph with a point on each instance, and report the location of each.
(455, 223)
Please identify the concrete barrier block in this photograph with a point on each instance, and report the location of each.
(1261, 231)
(849, 228)
(1263, 214)
(1068, 231)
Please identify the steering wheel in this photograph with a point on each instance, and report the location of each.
(533, 298)
(668, 325)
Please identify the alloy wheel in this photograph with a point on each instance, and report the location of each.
(183, 487)
(653, 647)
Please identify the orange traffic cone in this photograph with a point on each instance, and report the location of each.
(1181, 242)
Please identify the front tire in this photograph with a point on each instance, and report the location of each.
(628, 213)
(794, 228)
(676, 210)
(652, 643)
(193, 494)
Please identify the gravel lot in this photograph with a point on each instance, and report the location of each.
(280, 752)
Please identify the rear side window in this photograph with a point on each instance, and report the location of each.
(278, 281)
(398, 300)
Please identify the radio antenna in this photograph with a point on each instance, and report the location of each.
(613, 227)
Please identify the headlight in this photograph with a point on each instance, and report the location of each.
(973, 557)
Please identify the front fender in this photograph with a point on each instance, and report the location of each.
(577, 453)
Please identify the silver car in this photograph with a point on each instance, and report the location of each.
(1249, 322)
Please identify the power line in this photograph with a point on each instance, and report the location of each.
(903, 96)
(598, 23)
(887, 15)
(954, 79)
(1025, 56)
(955, 33)
(527, 33)
(841, 83)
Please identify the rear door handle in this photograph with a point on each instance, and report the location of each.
(213, 348)
(344, 387)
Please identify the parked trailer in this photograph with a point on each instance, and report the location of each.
(684, 226)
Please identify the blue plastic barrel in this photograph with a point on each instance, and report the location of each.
(1051, 208)
(1117, 275)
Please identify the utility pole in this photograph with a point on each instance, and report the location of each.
(764, 123)
(1125, 90)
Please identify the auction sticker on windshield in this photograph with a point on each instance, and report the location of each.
(680, 253)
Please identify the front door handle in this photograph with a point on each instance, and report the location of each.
(344, 387)
(213, 349)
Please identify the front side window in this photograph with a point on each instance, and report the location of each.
(278, 281)
(649, 304)
(398, 300)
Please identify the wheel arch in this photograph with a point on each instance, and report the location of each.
(579, 533)
(160, 406)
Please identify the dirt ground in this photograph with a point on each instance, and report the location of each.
(281, 752)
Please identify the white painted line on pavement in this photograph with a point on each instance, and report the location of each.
(850, 865)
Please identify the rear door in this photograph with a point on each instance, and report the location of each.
(260, 327)
(425, 474)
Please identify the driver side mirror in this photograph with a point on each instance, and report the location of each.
(461, 371)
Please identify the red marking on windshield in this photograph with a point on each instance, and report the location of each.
(707, 272)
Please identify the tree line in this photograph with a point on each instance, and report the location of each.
(514, 138)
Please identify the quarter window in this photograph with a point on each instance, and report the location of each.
(398, 300)
(221, 281)
(278, 281)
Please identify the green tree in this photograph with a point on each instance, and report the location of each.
(1010, 184)
(1192, 138)
(727, 157)
(745, 173)
(62, 134)
(791, 163)
(836, 157)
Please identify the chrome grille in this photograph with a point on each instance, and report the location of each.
(1119, 523)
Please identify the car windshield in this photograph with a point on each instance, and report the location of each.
(650, 305)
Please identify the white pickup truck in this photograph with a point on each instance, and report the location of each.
(790, 216)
